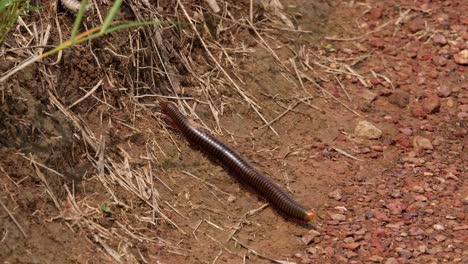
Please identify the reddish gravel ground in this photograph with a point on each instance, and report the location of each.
(413, 209)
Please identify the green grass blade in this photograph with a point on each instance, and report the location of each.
(3, 3)
(111, 15)
(79, 17)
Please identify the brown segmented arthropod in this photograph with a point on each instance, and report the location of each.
(74, 5)
(236, 165)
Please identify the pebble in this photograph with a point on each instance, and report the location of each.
(439, 39)
(338, 217)
(417, 189)
(461, 57)
(369, 215)
(336, 194)
(352, 246)
(416, 231)
(420, 198)
(430, 104)
(399, 98)
(404, 253)
(416, 24)
(406, 131)
(329, 251)
(438, 227)
(395, 208)
(367, 130)
(376, 259)
(422, 142)
(422, 248)
(310, 236)
(392, 261)
(444, 91)
(465, 200)
(440, 238)
(434, 250)
(417, 110)
(377, 43)
(376, 13)
(460, 227)
(439, 60)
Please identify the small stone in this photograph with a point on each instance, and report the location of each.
(338, 217)
(312, 250)
(376, 259)
(422, 248)
(422, 142)
(368, 95)
(231, 198)
(377, 43)
(404, 253)
(444, 91)
(465, 200)
(310, 236)
(392, 261)
(377, 148)
(439, 60)
(420, 198)
(399, 98)
(395, 208)
(369, 215)
(440, 238)
(438, 227)
(416, 24)
(336, 194)
(406, 131)
(460, 132)
(417, 189)
(461, 57)
(376, 12)
(329, 251)
(463, 108)
(351, 246)
(460, 227)
(417, 110)
(434, 250)
(431, 104)
(416, 231)
(367, 130)
(439, 39)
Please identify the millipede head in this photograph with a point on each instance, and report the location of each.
(309, 216)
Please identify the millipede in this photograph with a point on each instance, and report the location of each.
(237, 166)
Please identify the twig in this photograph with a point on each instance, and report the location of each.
(213, 5)
(86, 95)
(346, 154)
(13, 219)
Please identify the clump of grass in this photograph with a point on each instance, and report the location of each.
(9, 13)
(108, 26)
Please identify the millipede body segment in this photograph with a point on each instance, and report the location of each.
(236, 165)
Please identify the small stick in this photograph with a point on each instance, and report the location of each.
(281, 115)
(214, 5)
(86, 95)
(346, 154)
(251, 11)
(343, 88)
(8, 176)
(13, 218)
